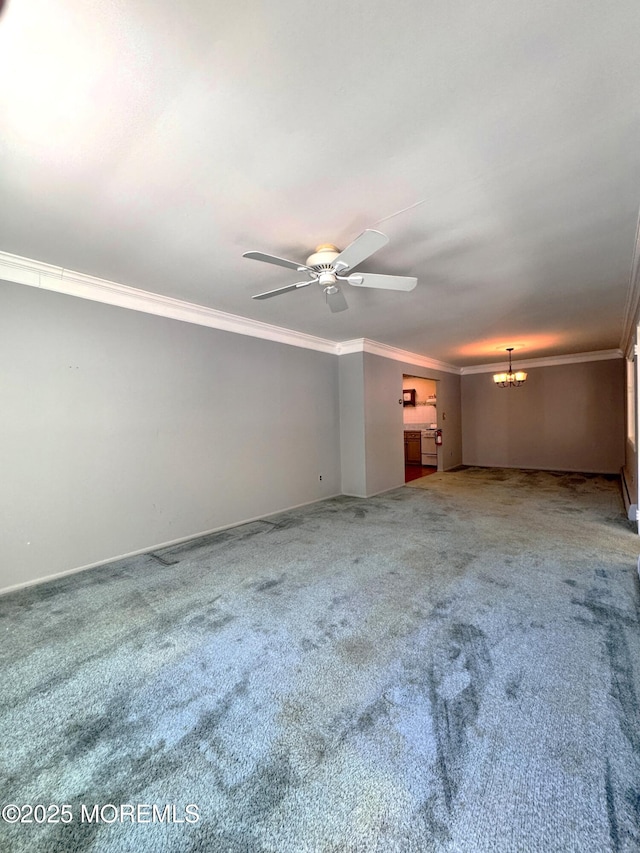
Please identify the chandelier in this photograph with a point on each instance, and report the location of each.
(510, 379)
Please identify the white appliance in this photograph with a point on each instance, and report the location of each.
(428, 447)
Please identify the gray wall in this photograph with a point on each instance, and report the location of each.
(384, 437)
(352, 425)
(121, 431)
(566, 417)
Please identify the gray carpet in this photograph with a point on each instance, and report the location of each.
(452, 666)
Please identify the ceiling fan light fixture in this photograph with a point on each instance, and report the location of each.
(327, 280)
(323, 256)
(512, 378)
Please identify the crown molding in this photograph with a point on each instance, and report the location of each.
(550, 361)
(632, 306)
(386, 351)
(48, 277)
(37, 274)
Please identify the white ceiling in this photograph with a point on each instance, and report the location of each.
(151, 143)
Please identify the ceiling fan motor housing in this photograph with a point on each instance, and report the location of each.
(322, 262)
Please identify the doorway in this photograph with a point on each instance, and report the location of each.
(420, 421)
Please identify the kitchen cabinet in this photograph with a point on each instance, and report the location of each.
(412, 447)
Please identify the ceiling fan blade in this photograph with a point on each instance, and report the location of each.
(267, 294)
(361, 248)
(272, 259)
(337, 302)
(384, 282)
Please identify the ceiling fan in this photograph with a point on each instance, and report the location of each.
(328, 265)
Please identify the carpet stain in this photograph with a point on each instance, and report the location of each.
(371, 715)
(436, 829)
(210, 720)
(163, 561)
(499, 582)
(611, 810)
(77, 836)
(512, 687)
(623, 683)
(211, 623)
(604, 613)
(206, 839)
(270, 585)
(357, 650)
(265, 788)
(632, 803)
(462, 652)
(286, 523)
(85, 736)
(89, 732)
